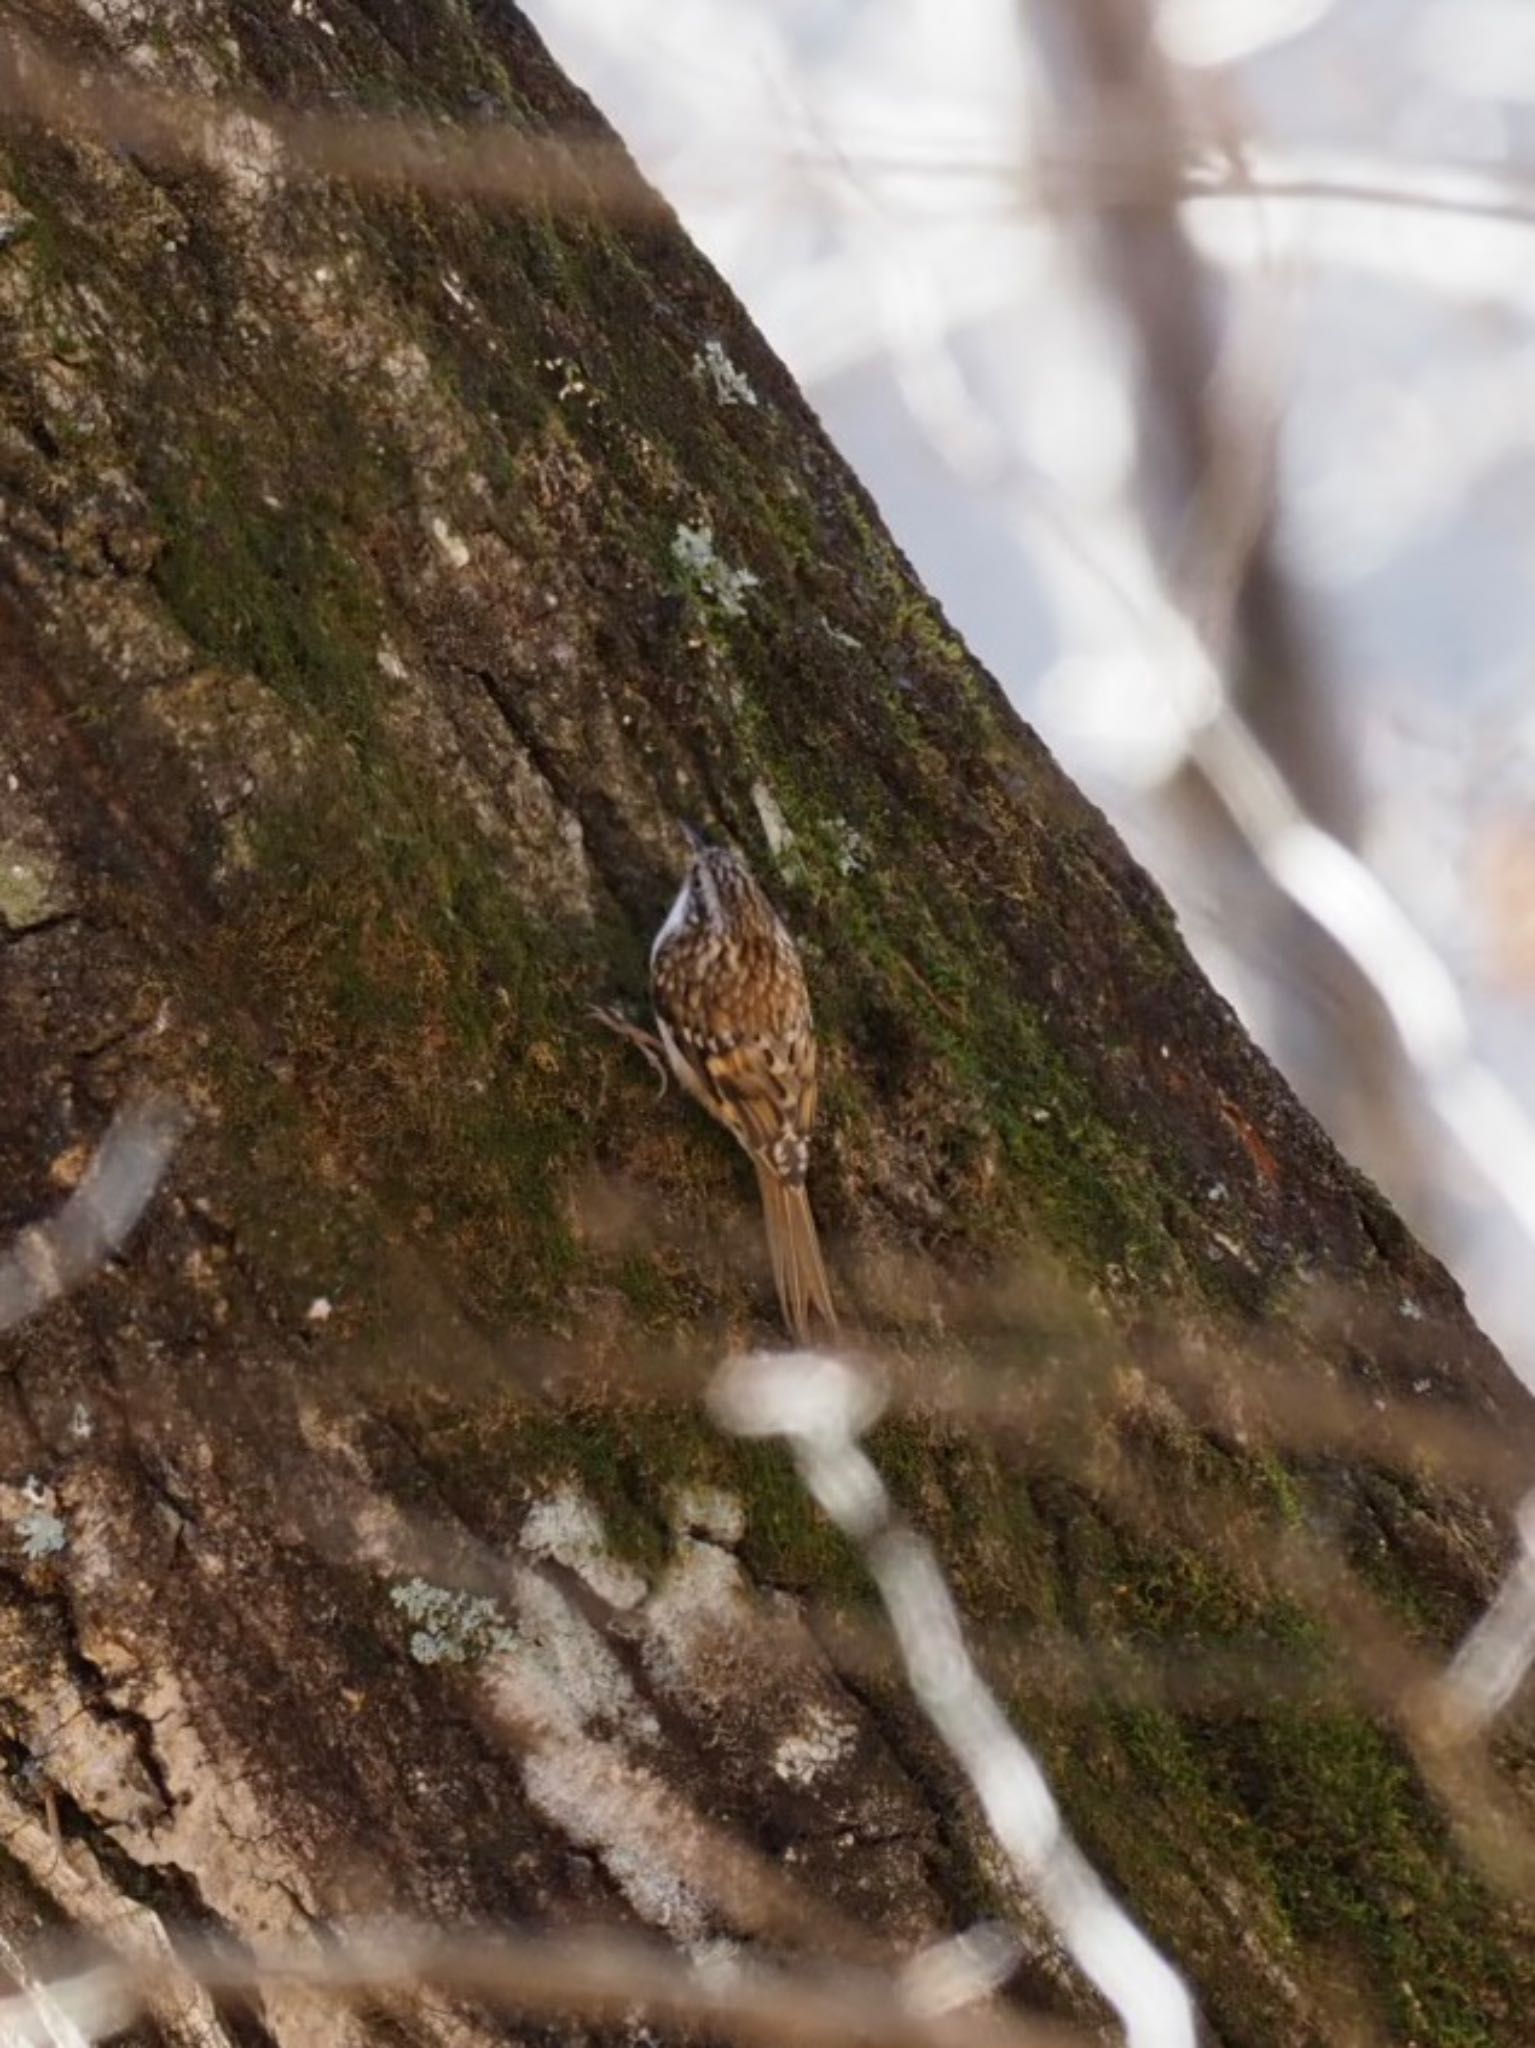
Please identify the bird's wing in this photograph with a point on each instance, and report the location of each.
(764, 1092)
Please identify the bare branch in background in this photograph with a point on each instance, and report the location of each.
(1267, 751)
(1206, 478)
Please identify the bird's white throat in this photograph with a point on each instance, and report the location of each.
(676, 918)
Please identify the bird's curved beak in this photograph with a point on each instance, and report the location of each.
(695, 839)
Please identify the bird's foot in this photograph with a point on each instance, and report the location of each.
(636, 1034)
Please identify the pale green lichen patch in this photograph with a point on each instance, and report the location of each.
(455, 1627)
(32, 1510)
(708, 573)
(713, 367)
(34, 889)
(42, 1533)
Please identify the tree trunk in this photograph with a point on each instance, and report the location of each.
(382, 573)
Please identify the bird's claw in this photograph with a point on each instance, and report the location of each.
(636, 1034)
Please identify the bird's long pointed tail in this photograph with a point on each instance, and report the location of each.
(795, 1250)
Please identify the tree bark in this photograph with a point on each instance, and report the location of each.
(381, 575)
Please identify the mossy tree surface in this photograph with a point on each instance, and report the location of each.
(381, 579)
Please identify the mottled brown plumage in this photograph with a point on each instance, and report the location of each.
(735, 1028)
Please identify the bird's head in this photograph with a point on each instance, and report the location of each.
(718, 892)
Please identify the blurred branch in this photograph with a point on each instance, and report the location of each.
(47, 1259)
(603, 1978)
(587, 173)
(376, 152)
(822, 1406)
(1494, 1660)
(1439, 1717)
(1267, 753)
(1206, 496)
(1405, 189)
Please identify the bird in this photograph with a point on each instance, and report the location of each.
(735, 1029)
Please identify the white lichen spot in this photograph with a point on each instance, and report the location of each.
(408, 367)
(390, 663)
(567, 1527)
(82, 1426)
(697, 1618)
(775, 826)
(853, 853)
(709, 1511)
(1409, 1310)
(455, 549)
(730, 385)
(556, 1673)
(602, 1802)
(1217, 1191)
(713, 578)
(572, 382)
(320, 1310)
(249, 153)
(820, 1742)
(1234, 1249)
(842, 639)
(118, 15)
(454, 288)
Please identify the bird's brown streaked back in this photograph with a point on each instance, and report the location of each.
(736, 1029)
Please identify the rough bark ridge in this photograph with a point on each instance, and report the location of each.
(380, 578)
